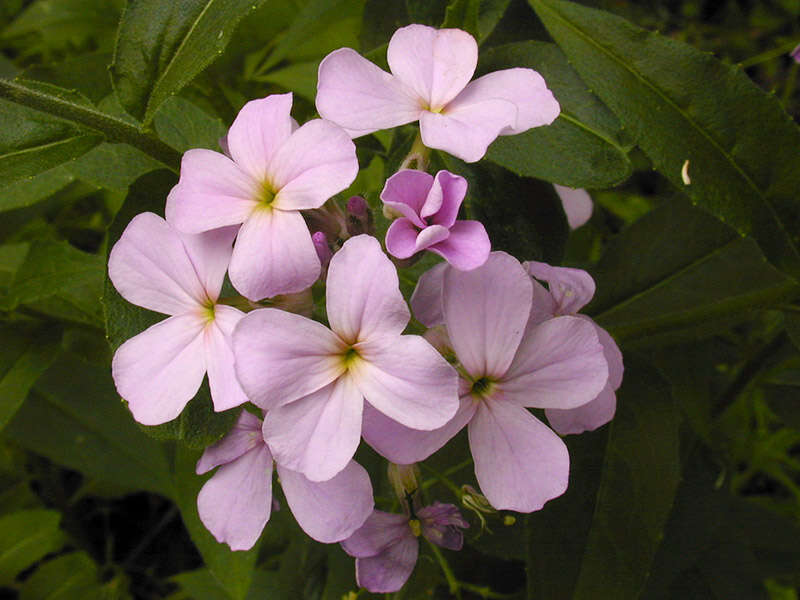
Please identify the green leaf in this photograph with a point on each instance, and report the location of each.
(31, 190)
(695, 278)
(584, 147)
(67, 577)
(300, 78)
(679, 105)
(183, 125)
(162, 46)
(463, 14)
(201, 584)
(25, 537)
(112, 166)
(85, 73)
(75, 418)
(25, 354)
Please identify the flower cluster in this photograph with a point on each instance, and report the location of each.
(501, 336)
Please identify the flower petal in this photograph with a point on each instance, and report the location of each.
(388, 571)
(317, 435)
(524, 88)
(380, 530)
(588, 417)
(401, 238)
(274, 254)
(467, 247)
(436, 64)
(363, 292)
(406, 379)
(577, 205)
(329, 511)
(225, 389)
(403, 445)
(571, 288)
(611, 353)
(466, 130)
(406, 192)
(485, 312)
(212, 192)
(519, 462)
(210, 254)
(316, 162)
(150, 267)
(452, 188)
(236, 502)
(161, 369)
(243, 437)
(357, 95)
(258, 131)
(426, 301)
(272, 346)
(559, 364)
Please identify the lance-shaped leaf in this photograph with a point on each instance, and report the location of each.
(584, 147)
(679, 105)
(25, 537)
(162, 46)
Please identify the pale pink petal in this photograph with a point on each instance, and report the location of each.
(243, 437)
(401, 238)
(559, 364)
(380, 530)
(403, 445)
(258, 131)
(432, 235)
(210, 255)
(272, 347)
(316, 162)
(406, 192)
(453, 189)
(525, 88)
(485, 312)
(571, 288)
(150, 267)
(317, 435)
(436, 64)
(235, 503)
(363, 292)
(466, 130)
(212, 192)
(577, 205)
(388, 571)
(161, 369)
(406, 379)
(426, 301)
(357, 95)
(274, 254)
(588, 417)
(467, 247)
(544, 305)
(612, 354)
(433, 201)
(329, 511)
(519, 462)
(225, 389)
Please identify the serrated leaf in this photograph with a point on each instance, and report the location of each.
(682, 105)
(25, 537)
(583, 148)
(162, 46)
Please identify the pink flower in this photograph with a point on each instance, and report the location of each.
(569, 291)
(158, 268)
(314, 380)
(386, 546)
(510, 361)
(577, 205)
(430, 83)
(276, 170)
(235, 504)
(429, 206)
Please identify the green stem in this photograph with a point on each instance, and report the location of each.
(452, 582)
(442, 478)
(791, 79)
(485, 592)
(769, 54)
(115, 130)
(454, 469)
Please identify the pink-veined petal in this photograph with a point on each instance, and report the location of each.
(485, 312)
(316, 162)
(380, 530)
(317, 435)
(210, 254)
(236, 502)
(544, 305)
(406, 379)
(225, 389)
(453, 189)
(363, 292)
(150, 267)
(577, 205)
(259, 129)
(357, 95)
(212, 192)
(519, 462)
(406, 192)
(274, 254)
(571, 288)
(559, 364)
(426, 301)
(161, 369)
(272, 348)
(329, 511)
(435, 63)
(524, 88)
(243, 437)
(467, 247)
(588, 417)
(388, 571)
(405, 446)
(465, 131)
(612, 354)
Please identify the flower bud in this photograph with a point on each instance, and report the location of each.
(404, 479)
(477, 503)
(323, 249)
(359, 217)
